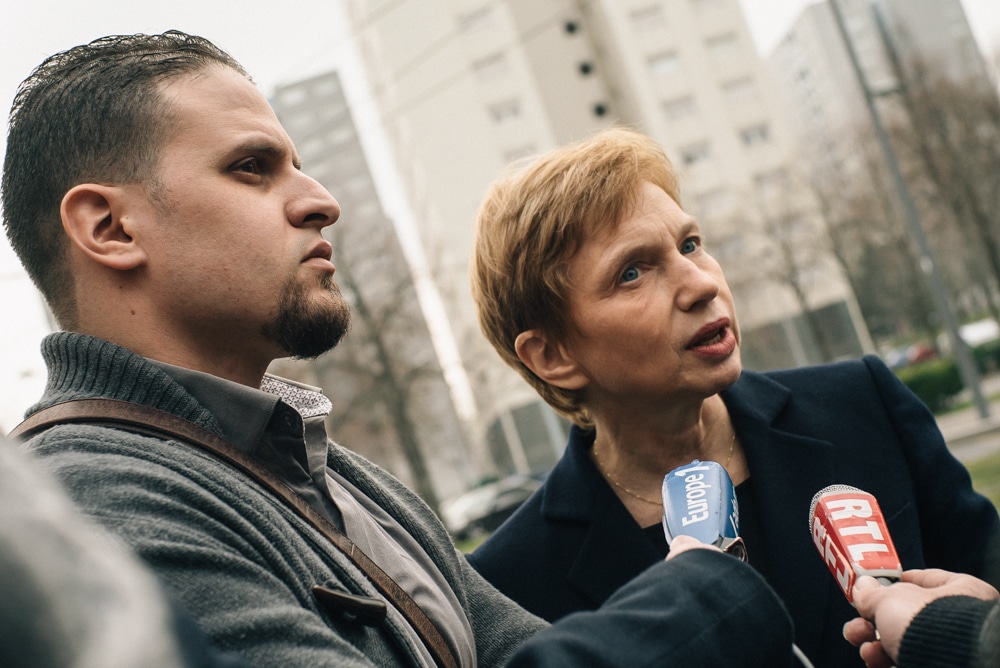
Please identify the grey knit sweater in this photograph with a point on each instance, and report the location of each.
(238, 559)
(953, 632)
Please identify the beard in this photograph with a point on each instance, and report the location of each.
(306, 330)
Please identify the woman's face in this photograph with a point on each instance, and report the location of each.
(652, 315)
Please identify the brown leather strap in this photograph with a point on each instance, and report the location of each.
(150, 421)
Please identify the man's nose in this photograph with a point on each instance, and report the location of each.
(312, 205)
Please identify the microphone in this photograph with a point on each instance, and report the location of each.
(850, 532)
(699, 501)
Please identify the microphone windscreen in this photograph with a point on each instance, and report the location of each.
(852, 537)
(699, 501)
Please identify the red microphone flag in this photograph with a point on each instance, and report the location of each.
(850, 532)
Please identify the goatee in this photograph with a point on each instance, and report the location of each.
(305, 329)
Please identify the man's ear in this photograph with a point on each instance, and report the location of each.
(94, 218)
(549, 361)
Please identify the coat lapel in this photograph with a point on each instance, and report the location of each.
(613, 548)
(787, 470)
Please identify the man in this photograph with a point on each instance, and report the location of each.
(932, 619)
(159, 206)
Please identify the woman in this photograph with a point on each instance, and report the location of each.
(592, 282)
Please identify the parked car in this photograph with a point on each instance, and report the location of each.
(921, 351)
(484, 508)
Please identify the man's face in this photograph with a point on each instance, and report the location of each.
(235, 255)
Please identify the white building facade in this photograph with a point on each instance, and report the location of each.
(465, 87)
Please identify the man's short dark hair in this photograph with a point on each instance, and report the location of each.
(91, 114)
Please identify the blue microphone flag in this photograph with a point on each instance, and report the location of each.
(699, 501)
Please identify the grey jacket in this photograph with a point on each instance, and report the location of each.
(239, 560)
(244, 564)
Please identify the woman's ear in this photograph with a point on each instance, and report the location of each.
(549, 361)
(93, 217)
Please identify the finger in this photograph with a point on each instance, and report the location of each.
(684, 543)
(866, 594)
(859, 631)
(927, 577)
(951, 583)
(874, 656)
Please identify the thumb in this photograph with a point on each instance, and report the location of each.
(866, 582)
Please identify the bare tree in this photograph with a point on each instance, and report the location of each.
(952, 131)
(869, 242)
(793, 235)
(384, 379)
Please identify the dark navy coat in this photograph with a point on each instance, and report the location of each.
(573, 543)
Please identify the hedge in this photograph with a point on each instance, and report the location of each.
(935, 382)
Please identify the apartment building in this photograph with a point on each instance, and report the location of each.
(390, 399)
(465, 87)
(818, 85)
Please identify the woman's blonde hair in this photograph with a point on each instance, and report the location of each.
(533, 221)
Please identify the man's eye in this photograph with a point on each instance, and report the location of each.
(630, 274)
(249, 166)
(689, 246)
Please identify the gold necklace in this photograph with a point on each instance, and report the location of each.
(603, 471)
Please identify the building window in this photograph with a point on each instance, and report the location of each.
(664, 64)
(755, 134)
(647, 18)
(600, 109)
(341, 135)
(326, 87)
(357, 185)
(476, 21)
(696, 154)
(739, 90)
(703, 5)
(586, 68)
(506, 111)
(723, 48)
(365, 208)
(715, 203)
(292, 96)
(772, 184)
(316, 145)
(490, 68)
(679, 108)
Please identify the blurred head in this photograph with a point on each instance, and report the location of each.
(92, 114)
(535, 219)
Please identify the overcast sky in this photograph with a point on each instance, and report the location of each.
(277, 42)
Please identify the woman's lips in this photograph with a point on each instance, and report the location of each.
(714, 340)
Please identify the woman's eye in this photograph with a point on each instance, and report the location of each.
(689, 246)
(630, 275)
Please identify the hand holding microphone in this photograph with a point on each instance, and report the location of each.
(895, 607)
(700, 506)
(850, 533)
